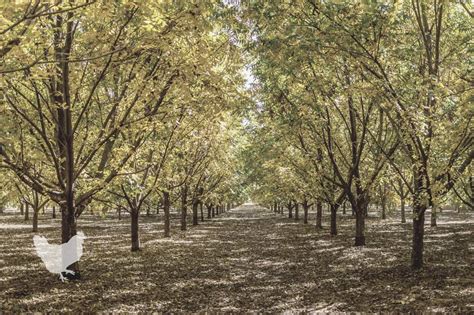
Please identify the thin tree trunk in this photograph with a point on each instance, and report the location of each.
(195, 212)
(319, 214)
(134, 214)
(184, 207)
(384, 208)
(433, 216)
(402, 206)
(166, 211)
(202, 211)
(333, 210)
(418, 232)
(209, 209)
(213, 211)
(344, 207)
(54, 212)
(68, 230)
(305, 210)
(27, 212)
(290, 210)
(297, 211)
(360, 226)
(35, 219)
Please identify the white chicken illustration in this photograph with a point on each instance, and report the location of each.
(58, 257)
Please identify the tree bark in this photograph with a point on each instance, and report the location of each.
(433, 216)
(402, 208)
(418, 232)
(384, 208)
(305, 210)
(166, 211)
(202, 211)
(54, 212)
(297, 211)
(209, 210)
(290, 210)
(35, 219)
(333, 210)
(134, 214)
(360, 227)
(68, 230)
(195, 212)
(22, 209)
(27, 212)
(184, 207)
(319, 214)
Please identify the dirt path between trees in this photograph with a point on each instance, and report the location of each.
(248, 259)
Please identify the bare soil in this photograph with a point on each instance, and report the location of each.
(248, 259)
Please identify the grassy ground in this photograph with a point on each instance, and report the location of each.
(246, 260)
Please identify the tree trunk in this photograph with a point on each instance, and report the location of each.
(418, 231)
(202, 211)
(402, 202)
(119, 210)
(297, 211)
(209, 210)
(333, 210)
(290, 210)
(68, 230)
(22, 208)
(319, 214)
(213, 211)
(148, 211)
(134, 214)
(433, 216)
(184, 207)
(166, 211)
(344, 207)
(305, 210)
(360, 212)
(27, 212)
(195, 212)
(384, 208)
(35, 219)
(54, 212)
